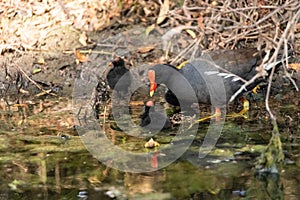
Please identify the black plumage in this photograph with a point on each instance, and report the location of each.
(201, 81)
(118, 71)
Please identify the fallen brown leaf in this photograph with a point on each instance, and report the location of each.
(163, 12)
(294, 66)
(80, 57)
(146, 49)
(200, 23)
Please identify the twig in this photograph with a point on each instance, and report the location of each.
(268, 95)
(89, 51)
(32, 81)
(283, 38)
(237, 9)
(244, 86)
(184, 51)
(286, 64)
(286, 34)
(111, 45)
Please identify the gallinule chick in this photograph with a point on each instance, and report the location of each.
(116, 72)
(153, 120)
(101, 97)
(209, 88)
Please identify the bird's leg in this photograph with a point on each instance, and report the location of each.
(217, 115)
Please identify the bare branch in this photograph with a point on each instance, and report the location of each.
(33, 82)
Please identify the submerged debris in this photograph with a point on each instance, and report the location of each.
(151, 143)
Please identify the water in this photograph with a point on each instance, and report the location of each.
(43, 157)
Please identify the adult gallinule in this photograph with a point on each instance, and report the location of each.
(204, 77)
(153, 120)
(108, 82)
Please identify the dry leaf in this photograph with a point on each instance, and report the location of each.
(297, 26)
(191, 33)
(36, 70)
(83, 39)
(41, 61)
(146, 49)
(147, 11)
(214, 3)
(23, 91)
(294, 66)
(80, 57)
(94, 180)
(164, 9)
(200, 23)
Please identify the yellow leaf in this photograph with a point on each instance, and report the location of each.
(191, 33)
(182, 65)
(35, 71)
(254, 90)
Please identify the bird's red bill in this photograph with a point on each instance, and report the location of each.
(153, 84)
(153, 87)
